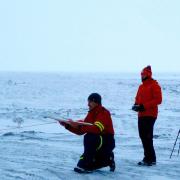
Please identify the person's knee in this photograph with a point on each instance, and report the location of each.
(147, 136)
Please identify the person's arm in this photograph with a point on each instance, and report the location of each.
(137, 97)
(157, 97)
(74, 129)
(137, 106)
(99, 125)
(96, 128)
(90, 129)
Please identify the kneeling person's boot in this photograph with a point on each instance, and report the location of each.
(146, 163)
(81, 170)
(83, 166)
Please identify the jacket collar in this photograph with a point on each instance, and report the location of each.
(147, 81)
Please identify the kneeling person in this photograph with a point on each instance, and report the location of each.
(98, 139)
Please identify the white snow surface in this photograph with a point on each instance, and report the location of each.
(49, 152)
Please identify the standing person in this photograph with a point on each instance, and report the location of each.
(148, 98)
(98, 139)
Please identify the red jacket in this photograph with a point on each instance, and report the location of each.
(149, 94)
(101, 120)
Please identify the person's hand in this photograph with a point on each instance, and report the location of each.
(138, 107)
(62, 123)
(66, 124)
(70, 123)
(74, 124)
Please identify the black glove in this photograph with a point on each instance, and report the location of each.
(64, 124)
(67, 126)
(138, 108)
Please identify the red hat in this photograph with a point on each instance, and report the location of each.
(146, 72)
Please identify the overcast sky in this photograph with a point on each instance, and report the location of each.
(89, 35)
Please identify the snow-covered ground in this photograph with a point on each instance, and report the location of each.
(49, 152)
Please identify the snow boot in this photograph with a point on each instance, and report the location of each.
(82, 170)
(146, 163)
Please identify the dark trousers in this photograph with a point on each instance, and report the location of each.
(98, 151)
(146, 126)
